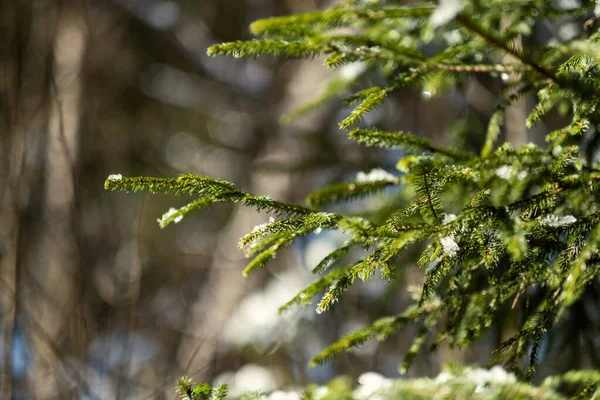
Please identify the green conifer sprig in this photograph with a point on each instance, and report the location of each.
(381, 329)
(211, 190)
(277, 236)
(495, 40)
(334, 256)
(176, 215)
(185, 184)
(402, 140)
(347, 191)
(306, 296)
(371, 102)
(320, 21)
(274, 47)
(203, 391)
(497, 119)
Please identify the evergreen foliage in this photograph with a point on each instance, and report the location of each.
(454, 383)
(503, 232)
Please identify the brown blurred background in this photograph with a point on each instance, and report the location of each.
(96, 301)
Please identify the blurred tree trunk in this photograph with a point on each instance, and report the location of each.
(12, 152)
(56, 267)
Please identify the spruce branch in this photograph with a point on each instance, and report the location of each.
(497, 119)
(526, 229)
(473, 26)
(430, 199)
(265, 203)
(306, 296)
(210, 190)
(254, 48)
(335, 17)
(347, 191)
(372, 101)
(481, 68)
(418, 342)
(381, 329)
(202, 391)
(278, 236)
(334, 256)
(176, 215)
(397, 140)
(184, 184)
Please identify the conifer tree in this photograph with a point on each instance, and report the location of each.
(503, 232)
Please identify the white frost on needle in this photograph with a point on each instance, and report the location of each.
(369, 383)
(375, 175)
(446, 10)
(351, 71)
(556, 221)
(448, 218)
(483, 378)
(168, 215)
(450, 246)
(257, 228)
(262, 226)
(504, 172)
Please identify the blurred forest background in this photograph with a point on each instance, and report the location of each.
(96, 301)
